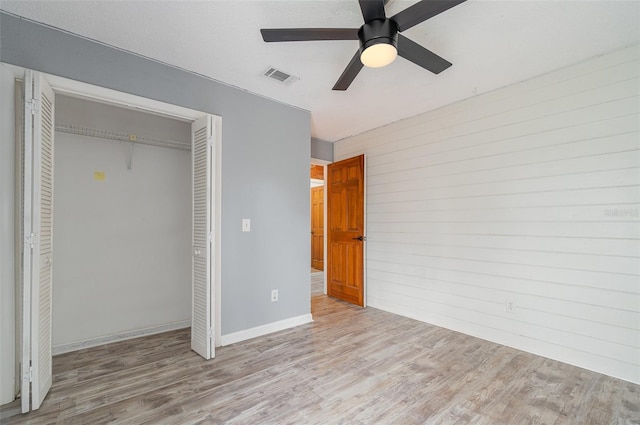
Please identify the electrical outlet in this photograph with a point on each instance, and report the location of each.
(246, 225)
(509, 306)
(274, 295)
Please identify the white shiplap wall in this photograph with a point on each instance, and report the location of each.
(528, 195)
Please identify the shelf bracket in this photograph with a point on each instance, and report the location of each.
(130, 157)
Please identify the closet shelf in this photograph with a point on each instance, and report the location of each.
(121, 137)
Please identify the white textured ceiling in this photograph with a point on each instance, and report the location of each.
(490, 43)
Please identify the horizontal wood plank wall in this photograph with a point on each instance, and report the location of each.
(527, 196)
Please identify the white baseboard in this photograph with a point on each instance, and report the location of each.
(93, 342)
(232, 338)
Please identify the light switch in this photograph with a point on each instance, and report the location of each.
(246, 224)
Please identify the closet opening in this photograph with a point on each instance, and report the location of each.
(122, 226)
(133, 244)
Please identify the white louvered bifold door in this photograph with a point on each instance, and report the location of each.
(38, 248)
(202, 341)
(27, 157)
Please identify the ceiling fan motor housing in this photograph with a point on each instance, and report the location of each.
(378, 31)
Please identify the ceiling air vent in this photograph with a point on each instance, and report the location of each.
(280, 76)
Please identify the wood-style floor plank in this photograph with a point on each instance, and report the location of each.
(350, 366)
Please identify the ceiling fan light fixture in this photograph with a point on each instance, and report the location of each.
(378, 43)
(378, 55)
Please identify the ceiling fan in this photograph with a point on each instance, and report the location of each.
(380, 41)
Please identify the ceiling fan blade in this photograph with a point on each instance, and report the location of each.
(308, 34)
(422, 11)
(421, 56)
(349, 74)
(372, 9)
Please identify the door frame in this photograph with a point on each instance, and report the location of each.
(73, 88)
(324, 164)
(364, 222)
(313, 189)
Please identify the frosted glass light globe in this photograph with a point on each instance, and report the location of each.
(378, 55)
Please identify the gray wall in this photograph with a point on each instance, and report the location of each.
(265, 154)
(122, 257)
(321, 149)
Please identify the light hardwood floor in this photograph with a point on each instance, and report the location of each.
(350, 366)
(317, 283)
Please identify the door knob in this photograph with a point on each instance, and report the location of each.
(360, 238)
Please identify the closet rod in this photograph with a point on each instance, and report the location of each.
(120, 137)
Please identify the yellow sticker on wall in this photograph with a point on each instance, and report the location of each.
(99, 176)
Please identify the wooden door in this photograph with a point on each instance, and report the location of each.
(345, 230)
(317, 172)
(317, 227)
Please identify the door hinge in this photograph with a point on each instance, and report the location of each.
(31, 240)
(28, 374)
(33, 106)
(210, 333)
(210, 237)
(210, 141)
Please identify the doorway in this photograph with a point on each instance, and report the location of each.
(343, 231)
(346, 233)
(317, 206)
(203, 135)
(122, 234)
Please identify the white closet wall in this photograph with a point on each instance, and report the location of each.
(122, 264)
